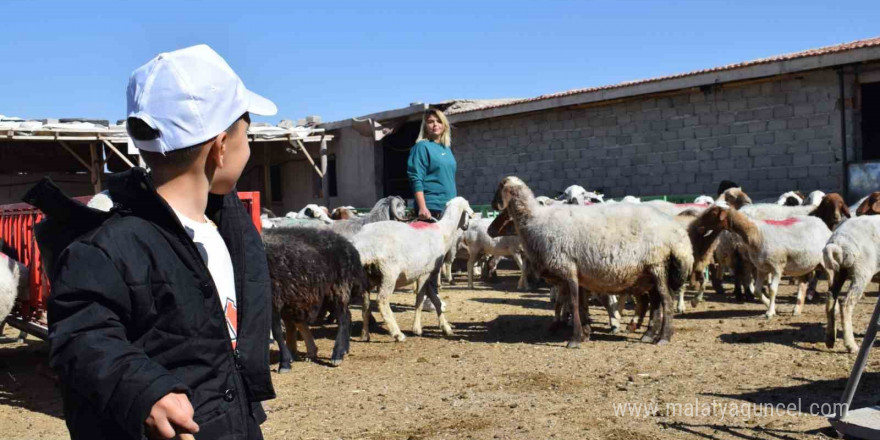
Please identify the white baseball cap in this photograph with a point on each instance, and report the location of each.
(189, 96)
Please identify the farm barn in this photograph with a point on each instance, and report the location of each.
(724, 370)
(801, 120)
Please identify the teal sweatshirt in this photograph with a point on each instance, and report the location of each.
(431, 169)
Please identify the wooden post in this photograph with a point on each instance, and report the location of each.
(267, 176)
(325, 184)
(118, 153)
(95, 168)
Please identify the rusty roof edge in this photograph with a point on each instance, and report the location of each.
(771, 66)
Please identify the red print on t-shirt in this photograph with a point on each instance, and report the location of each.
(232, 320)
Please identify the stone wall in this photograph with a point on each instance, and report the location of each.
(770, 137)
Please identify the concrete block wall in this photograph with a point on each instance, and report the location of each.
(770, 137)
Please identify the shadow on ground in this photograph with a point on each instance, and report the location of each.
(26, 381)
(793, 335)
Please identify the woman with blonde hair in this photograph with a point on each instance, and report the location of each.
(431, 166)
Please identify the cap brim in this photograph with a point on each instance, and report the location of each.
(259, 105)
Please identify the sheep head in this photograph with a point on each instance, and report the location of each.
(832, 210)
(735, 197)
(871, 205)
(545, 201)
(342, 213)
(712, 220)
(815, 198)
(397, 207)
(460, 204)
(507, 189)
(791, 198)
(502, 225)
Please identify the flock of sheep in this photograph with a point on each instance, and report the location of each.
(579, 243)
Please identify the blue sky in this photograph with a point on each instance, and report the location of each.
(344, 59)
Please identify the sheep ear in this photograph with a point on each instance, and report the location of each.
(501, 226)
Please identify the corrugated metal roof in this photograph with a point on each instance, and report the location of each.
(859, 44)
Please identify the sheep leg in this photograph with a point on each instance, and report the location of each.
(679, 306)
(856, 289)
(492, 268)
(801, 295)
(610, 304)
(385, 291)
(290, 336)
(523, 283)
(655, 321)
(431, 291)
(774, 287)
(278, 336)
(584, 301)
(759, 288)
(311, 348)
(558, 309)
(343, 335)
(666, 312)
(832, 305)
(366, 314)
(577, 331)
(472, 259)
(642, 303)
(420, 301)
(702, 278)
(716, 275)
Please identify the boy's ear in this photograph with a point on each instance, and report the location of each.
(218, 149)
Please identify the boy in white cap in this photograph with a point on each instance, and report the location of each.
(159, 315)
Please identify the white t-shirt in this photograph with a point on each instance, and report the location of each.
(216, 256)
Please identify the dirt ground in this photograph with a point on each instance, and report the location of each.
(504, 375)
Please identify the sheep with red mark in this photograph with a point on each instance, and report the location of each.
(792, 246)
(396, 254)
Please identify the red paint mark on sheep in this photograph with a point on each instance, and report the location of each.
(423, 225)
(786, 222)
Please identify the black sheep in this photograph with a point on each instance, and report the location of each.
(311, 268)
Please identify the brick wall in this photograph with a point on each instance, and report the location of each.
(770, 137)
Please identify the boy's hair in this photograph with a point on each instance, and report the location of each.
(176, 160)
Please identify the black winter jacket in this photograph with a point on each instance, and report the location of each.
(134, 314)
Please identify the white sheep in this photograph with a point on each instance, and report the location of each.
(311, 211)
(704, 200)
(631, 199)
(577, 195)
(776, 248)
(605, 249)
(101, 201)
(13, 284)
(398, 254)
(852, 253)
(478, 242)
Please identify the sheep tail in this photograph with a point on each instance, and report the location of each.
(832, 256)
(677, 273)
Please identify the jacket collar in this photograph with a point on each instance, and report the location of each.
(133, 192)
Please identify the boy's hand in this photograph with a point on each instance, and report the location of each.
(170, 416)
